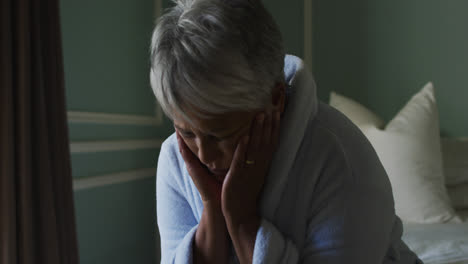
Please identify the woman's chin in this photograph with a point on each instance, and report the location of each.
(220, 177)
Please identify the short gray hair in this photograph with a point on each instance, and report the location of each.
(210, 57)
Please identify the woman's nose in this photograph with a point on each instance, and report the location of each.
(206, 152)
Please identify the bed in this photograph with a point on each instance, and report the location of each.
(429, 175)
(446, 243)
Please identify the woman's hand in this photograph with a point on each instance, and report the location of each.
(244, 182)
(207, 185)
(211, 238)
(249, 167)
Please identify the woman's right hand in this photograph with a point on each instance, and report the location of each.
(207, 185)
(212, 238)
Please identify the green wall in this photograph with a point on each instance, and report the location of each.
(382, 52)
(289, 17)
(105, 45)
(106, 55)
(115, 223)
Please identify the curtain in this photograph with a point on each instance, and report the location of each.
(37, 221)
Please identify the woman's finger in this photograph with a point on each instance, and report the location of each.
(238, 160)
(256, 133)
(191, 161)
(206, 185)
(184, 150)
(275, 133)
(193, 165)
(267, 129)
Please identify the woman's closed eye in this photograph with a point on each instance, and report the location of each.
(187, 134)
(216, 138)
(190, 135)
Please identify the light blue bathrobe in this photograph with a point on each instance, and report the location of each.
(326, 200)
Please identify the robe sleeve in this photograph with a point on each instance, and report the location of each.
(350, 219)
(176, 222)
(272, 247)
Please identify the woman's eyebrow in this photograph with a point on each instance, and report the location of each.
(217, 132)
(186, 130)
(179, 128)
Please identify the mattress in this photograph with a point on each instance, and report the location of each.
(439, 243)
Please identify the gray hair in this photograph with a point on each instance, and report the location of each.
(210, 57)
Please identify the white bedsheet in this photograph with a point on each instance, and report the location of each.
(439, 243)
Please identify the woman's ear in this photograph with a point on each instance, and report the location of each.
(278, 97)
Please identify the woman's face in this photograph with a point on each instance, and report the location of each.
(214, 141)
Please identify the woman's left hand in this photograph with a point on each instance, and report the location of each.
(249, 167)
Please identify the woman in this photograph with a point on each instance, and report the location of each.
(258, 170)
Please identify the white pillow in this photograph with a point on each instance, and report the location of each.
(409, 149)
(358, 113)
